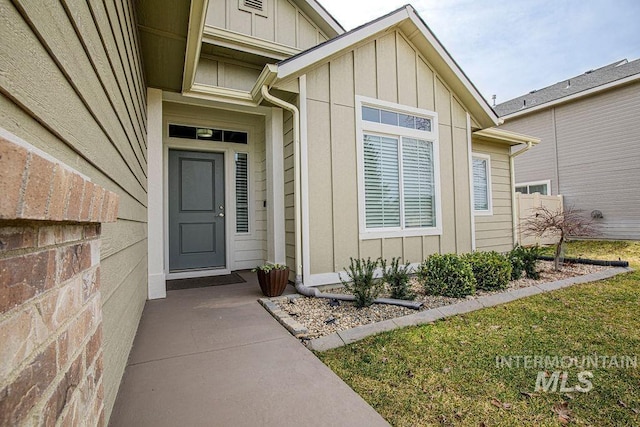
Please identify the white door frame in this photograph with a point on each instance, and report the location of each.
(158, 165)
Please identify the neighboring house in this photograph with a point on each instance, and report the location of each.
(590, 150)
(224, 134)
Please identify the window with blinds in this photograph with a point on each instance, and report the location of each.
(418, 183)
(399, 170)
(242, 193)
(481, 184)
(381, 182)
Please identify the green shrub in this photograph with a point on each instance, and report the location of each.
(397, 276)
(362, 284)
(491, 270)
(447, 275)
(524, 259)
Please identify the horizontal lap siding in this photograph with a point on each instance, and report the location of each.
(72, 86)
(390, 69)
(537, 164)
(495, 232)
(598, 153)
(599, 158)
(289, 196)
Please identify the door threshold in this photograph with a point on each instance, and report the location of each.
(197, 273)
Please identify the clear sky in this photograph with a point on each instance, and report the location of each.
(509, 48)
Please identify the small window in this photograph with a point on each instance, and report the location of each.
(392, 118)
(481, 184)
(242, 193)
(541, 187)
(208, 134)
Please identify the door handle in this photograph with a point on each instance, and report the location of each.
(221, 214)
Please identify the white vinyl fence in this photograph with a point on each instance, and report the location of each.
(526, 205)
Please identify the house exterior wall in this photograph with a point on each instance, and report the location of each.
(282, 22)
(79, 96)
(248, 249)
(495, 232)
(390, 69)
(236, 75)
(598, 153)
(289, 196)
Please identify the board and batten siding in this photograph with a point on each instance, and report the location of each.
(249, 249)
(236, 75)
(598, 153)
(282, 22)
(495, 232)
(71, 84)
(387, 68)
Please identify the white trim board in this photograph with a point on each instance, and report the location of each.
(304, 178)
(470, 158)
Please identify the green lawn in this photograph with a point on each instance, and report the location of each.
(446, 373)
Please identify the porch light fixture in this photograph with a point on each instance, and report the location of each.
(204, 133)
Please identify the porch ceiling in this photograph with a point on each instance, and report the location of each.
(163, 26)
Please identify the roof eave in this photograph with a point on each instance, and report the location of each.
(441, 60)
(462, 85)
(504, 137)
(321, 16)
(573, 97)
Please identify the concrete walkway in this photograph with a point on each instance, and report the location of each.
(214, 357)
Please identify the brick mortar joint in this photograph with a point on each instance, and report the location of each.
(23, 186)
(14, 253)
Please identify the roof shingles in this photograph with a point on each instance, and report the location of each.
(589, 80)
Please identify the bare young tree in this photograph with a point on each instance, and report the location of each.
(564, 224)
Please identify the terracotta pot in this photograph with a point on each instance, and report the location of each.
(273, 282)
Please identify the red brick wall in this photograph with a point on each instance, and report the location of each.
(50, 303)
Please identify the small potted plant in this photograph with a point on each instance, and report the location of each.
(273, 278)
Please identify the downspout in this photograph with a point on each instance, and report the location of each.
(300, 286)
(514, 212)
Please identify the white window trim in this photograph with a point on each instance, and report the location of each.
(546, 182)
(489, 210)
(396, 131)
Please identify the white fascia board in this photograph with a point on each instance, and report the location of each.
(573, 97)
(451, 64)
(245, 43)
(197, 16)
(221, 94)
(332, 47)
(504, 136)
(267, 77)
(327, 19)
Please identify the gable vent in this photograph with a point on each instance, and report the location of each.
(254, 4)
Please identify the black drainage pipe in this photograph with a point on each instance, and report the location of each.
(588, 261)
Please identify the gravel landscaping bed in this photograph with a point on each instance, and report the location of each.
(322, 318)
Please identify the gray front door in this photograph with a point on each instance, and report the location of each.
(196, 210)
